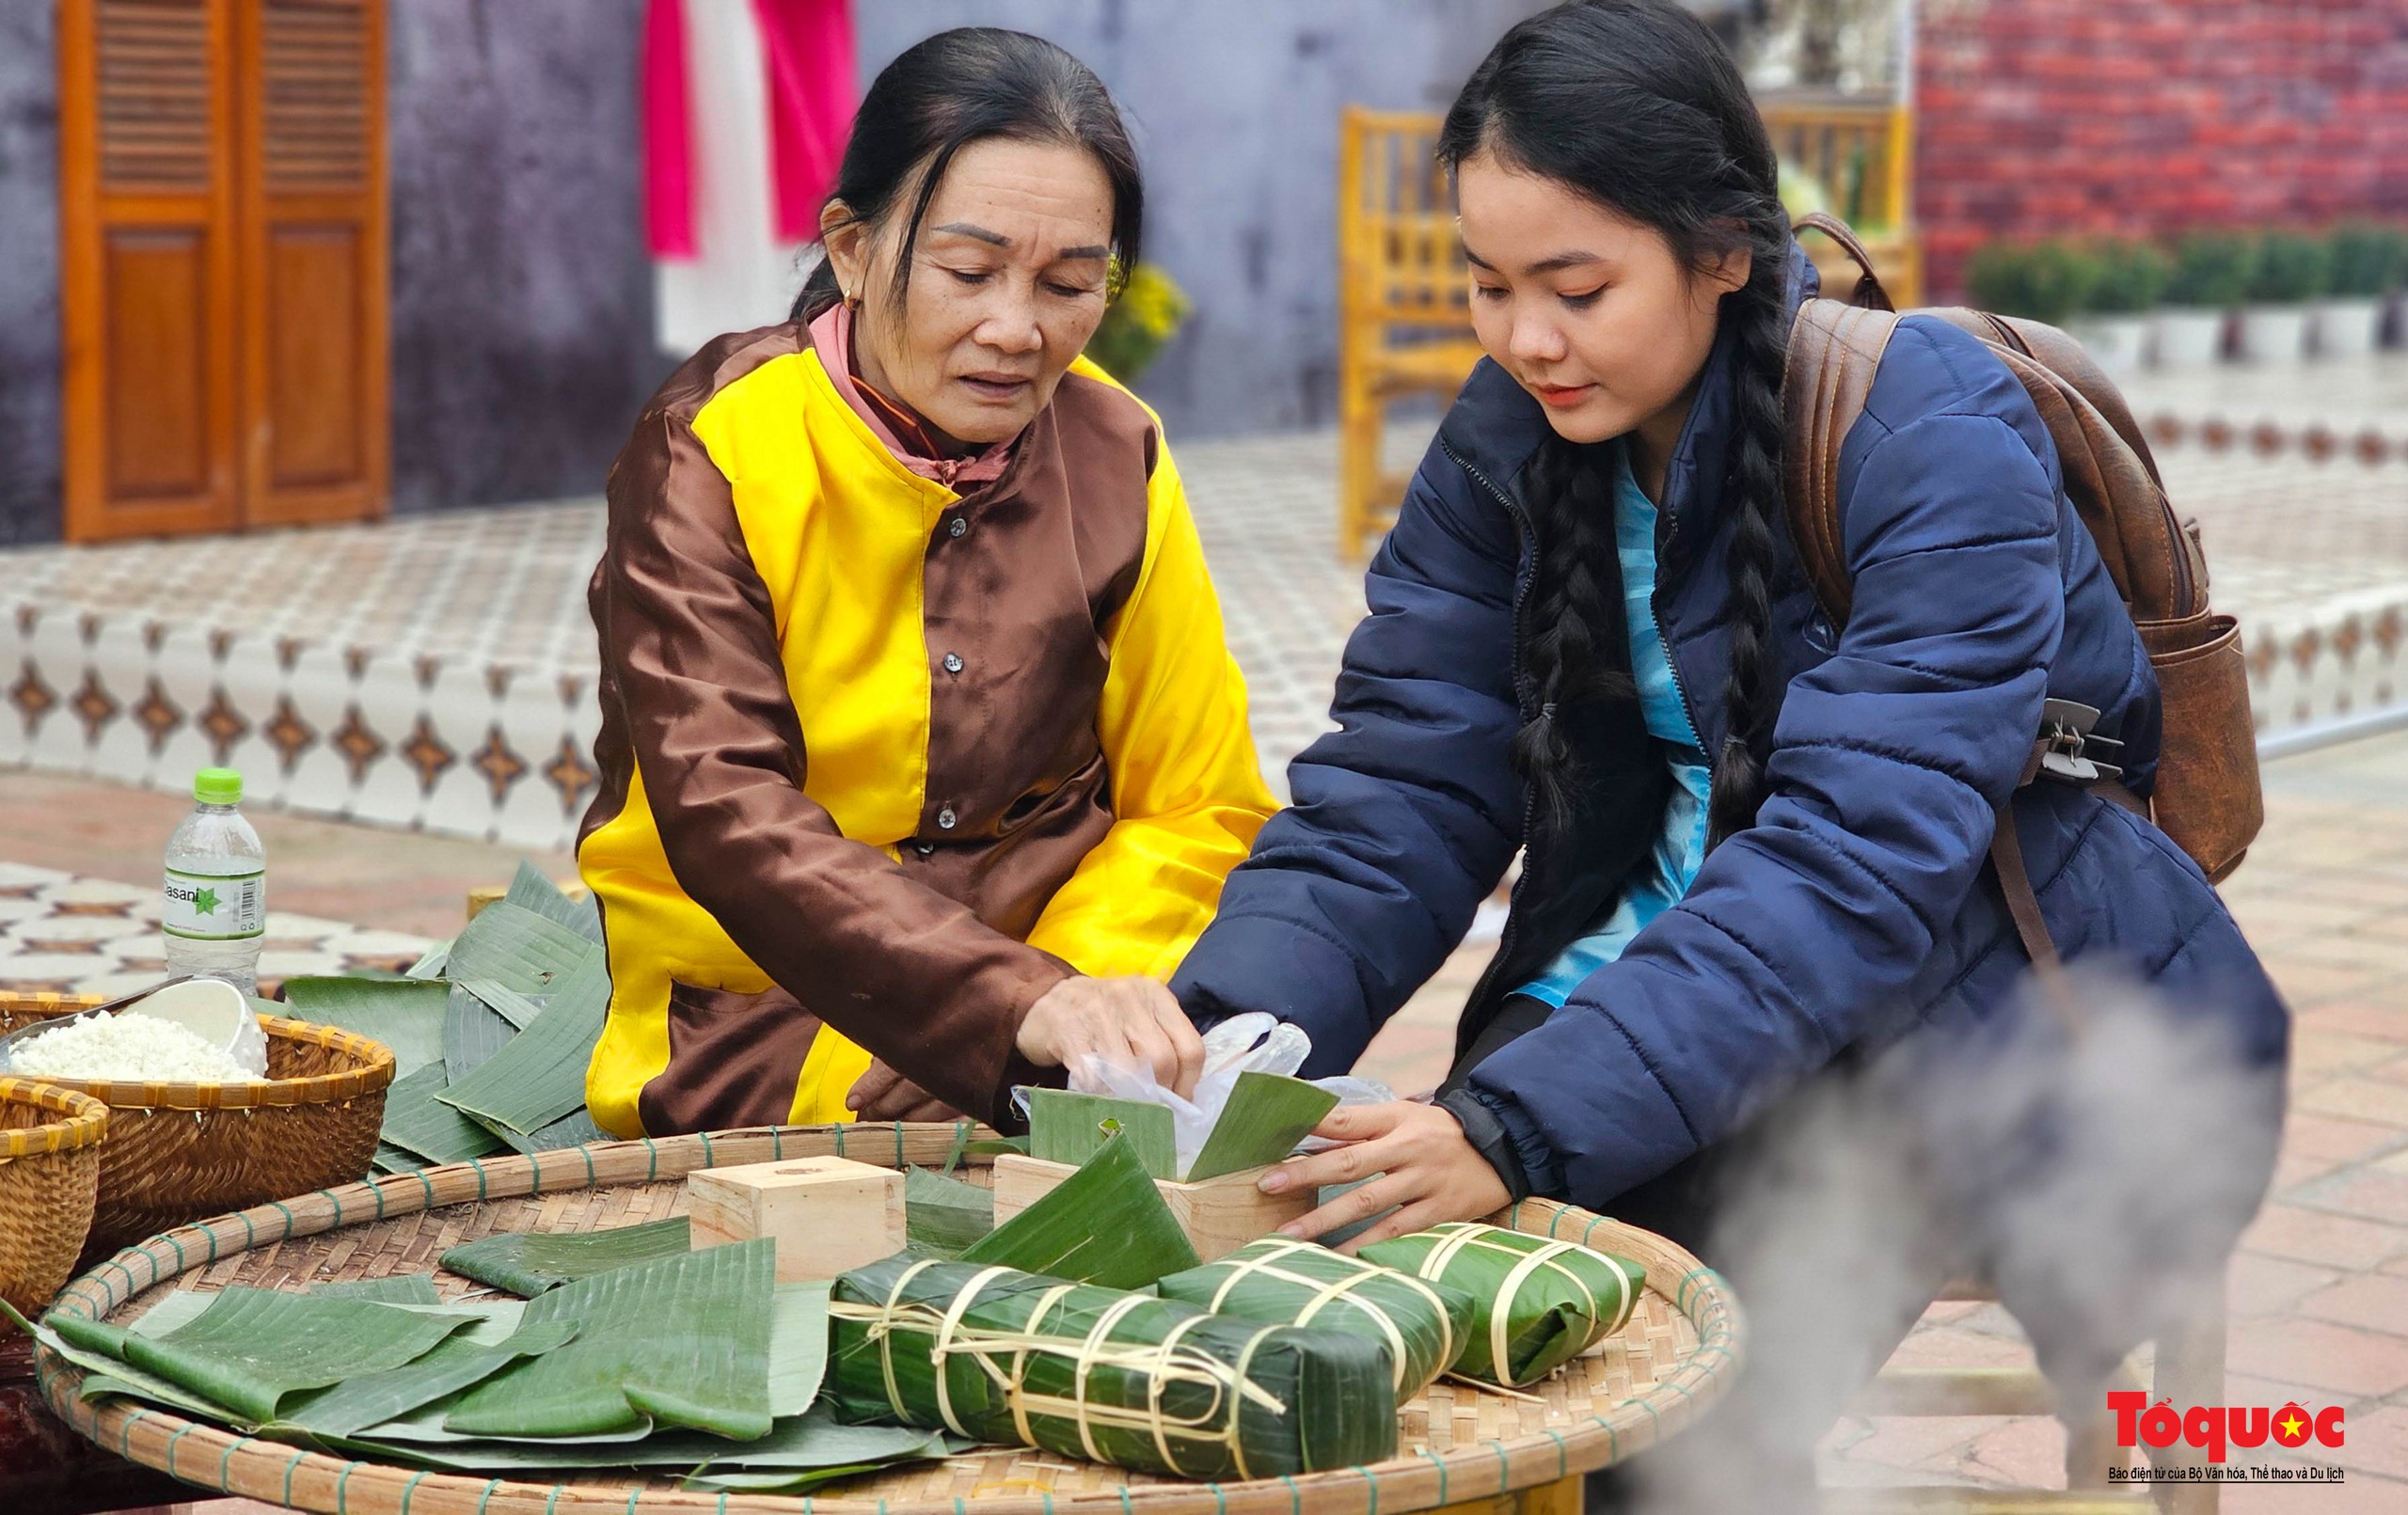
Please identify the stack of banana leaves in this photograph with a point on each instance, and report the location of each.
(690, 1364)
(1422, 1327)
(491, 1032)
(1537, 1304)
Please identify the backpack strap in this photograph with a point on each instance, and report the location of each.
(1834, 351)
(1868, 292)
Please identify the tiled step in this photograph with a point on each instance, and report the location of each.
(435, 673)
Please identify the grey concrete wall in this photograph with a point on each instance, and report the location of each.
(522, 293)
(1235, 103)
(29, 333)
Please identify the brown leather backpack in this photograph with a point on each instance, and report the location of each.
(2206, 797)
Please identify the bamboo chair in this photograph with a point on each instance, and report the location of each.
(1862, 151)
(1405, 313)
(2190, 1368)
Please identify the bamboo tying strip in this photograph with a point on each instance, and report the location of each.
(1673, 1360)
(1464, 1235)
(1328, 1292)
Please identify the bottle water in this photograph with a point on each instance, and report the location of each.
(216, 908)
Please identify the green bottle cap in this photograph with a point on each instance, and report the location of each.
(217, 786)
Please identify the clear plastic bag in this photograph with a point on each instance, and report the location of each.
(1254, 1043)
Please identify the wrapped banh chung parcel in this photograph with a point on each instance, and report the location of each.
(1537, 1304)
(1422, 1326)
(1001, 1355)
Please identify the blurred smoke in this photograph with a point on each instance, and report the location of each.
(2095, 1154)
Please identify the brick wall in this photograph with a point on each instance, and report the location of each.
(2150, 116)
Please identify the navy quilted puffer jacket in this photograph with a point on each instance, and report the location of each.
(1855, 913)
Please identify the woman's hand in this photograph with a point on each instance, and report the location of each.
(1133, 1021)
(1426, 1166)
(882, 1093)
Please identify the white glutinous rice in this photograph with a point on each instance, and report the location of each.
(133, 1047)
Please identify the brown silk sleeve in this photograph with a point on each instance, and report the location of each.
(910, 975)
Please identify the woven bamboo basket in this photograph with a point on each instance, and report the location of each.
(176, 1152)
(1461, 1443)
(50, 1172)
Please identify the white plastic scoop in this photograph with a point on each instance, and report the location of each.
(217, 1012)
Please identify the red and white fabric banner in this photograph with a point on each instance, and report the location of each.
(745, 107)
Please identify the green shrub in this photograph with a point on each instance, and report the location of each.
(2367, 259)
(2131, 279)
(2212, 269)
(2290, 269)
(1148, 315)
(2037, 280)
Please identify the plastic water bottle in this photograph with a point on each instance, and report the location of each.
(216, 908)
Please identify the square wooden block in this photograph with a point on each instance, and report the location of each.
(827, 1214)
(1219, 1215)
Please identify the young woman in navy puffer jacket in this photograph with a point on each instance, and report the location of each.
(1754, 845)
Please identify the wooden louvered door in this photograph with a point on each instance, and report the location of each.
(222, 209)
(148, 276)
(311, 220)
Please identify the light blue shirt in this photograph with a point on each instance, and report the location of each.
(1672, 866)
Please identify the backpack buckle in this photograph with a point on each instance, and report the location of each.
(2065, 748)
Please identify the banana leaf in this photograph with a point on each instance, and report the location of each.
(431, 964)
(406, 1015)
(529, 889)
(107, 1376)
(1095, 1373)
(683, 1341)
(529, 1263)
(1266, 1116)
(422, 1126)
(391, 1158)
(1422, 1327)
(1537, 1304)
(251, 1348)
(519, 948)
(798, 1345)
(1065, 1125)
(473, 1030)
(539, 1076)
(575, 1129)
(1106, 1223)
(459, 1363)
(491, 1320)
(732, 1480)
(796, 1444)
(520, 1010)
(943, 1216)
(399, 1289)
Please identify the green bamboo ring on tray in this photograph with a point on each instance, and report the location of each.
(1461, 1443)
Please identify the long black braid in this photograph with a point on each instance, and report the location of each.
(1636, 106)
(1576, 617)
(1752, 498)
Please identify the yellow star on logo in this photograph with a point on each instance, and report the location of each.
(2292, 1430)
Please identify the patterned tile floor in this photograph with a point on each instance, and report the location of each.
(65, 934)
